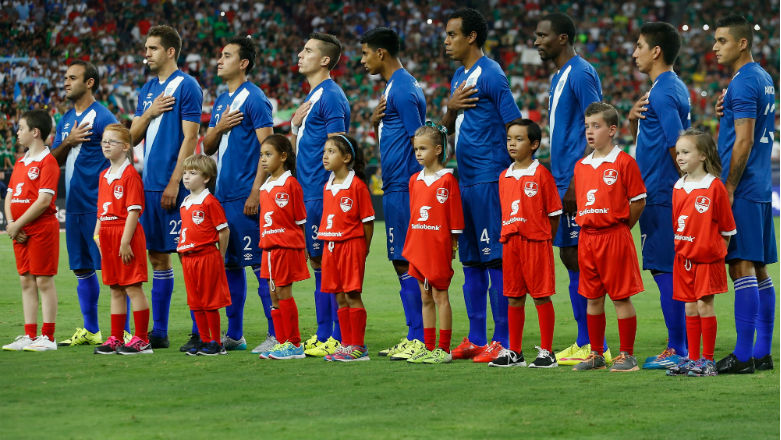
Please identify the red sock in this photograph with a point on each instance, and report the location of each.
(290, 317)
(444, 339)
(31, 330)
(345, 325)
(118, 324)
(429, 337)
(141, 321)
(48, 330)
(202, 322)
(279, 326)
(693, 333)
(709, 326)
(213, 319)
(358, 317)
(627, 329)
(596, 332)
(547, 317)
(516, 317)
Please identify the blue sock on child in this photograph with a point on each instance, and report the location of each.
(475, 292)
(162, 289)
(265, 299)
(237, 285)
(674, 314)
(498, 307)
(413, 306)
(322, 310)
(579, 305)
(88, 291)
(765, 318)
(746, 304)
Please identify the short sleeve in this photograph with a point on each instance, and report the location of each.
(723, 214)
(407, 106)
(365, 208)
(217, 214)
(587, 88)
(140, 104)
(633, 180)
(134, 190)
(550, 194)
(58, 134)
(49, 175)
(297, 196)
(191, 101)
(744, 101)
(666, 108)
(334, 114)
(498, 89)
(455, 209)
(258, 110)
(215, 116)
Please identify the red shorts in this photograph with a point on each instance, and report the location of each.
(284, 266)
(113, 271)
(205, 280)
(607, 259)
(692, 281)
(528, 267)
(40, 254)
(441, 283)
(343, 265)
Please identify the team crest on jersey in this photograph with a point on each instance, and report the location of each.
(610, 176)
(198, 217)
(530, 188)
(118, 192)
(702, 203)
(442, 195)
(346, 203)
(33, 173)
(281, 199)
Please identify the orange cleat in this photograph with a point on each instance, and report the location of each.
(489, 354)
(467, 350)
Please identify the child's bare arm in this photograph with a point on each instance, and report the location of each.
(368, 232)
(554, 224)
(223, 243)
(125, 251)
(635, 209)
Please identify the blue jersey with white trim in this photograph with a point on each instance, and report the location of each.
(85, 161)
(239, 151)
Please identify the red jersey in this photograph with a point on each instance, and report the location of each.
(701, 216)
(119, 193)
(282, 213)
(202, 219)
(604, 187)
(346, 206)
(528, 198)
(31, 176)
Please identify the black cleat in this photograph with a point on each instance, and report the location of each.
(731, 365)
(158, 341)
(764, 363)
(193, 343)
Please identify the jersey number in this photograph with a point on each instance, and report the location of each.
(390, 235)
(175, 225)
(247, 243)
(484, 236)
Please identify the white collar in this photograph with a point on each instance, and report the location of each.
(110, 177)
(596, 162)
(521, 172)
(690, 186)
(429, 180)
(270, 183)
(27, 159)
(335, 187)
(191, 200)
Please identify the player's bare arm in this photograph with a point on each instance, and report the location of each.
(125, 251)
(635, 209)
(297, 120)
(228, 120)
(160, 105)
(252, 203)
(76, 136)
(461, 99)
(637, 113)
(368, 232)
(190, 130)
(224, 235)
(378, 114)
(744, 141)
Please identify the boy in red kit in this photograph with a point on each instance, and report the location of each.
(703, 224)
(610, 196)
(346, 228)
(203, 264)
(437, 218)
(530, 217)
(33, 226)
(122, 243)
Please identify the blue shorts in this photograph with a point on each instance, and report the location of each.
(756, 237)
(656, 239)
(161, 226)
(83, 253)
(395, 207)
(482, 224)
(244, 243)
(314, 212)
(569, 230)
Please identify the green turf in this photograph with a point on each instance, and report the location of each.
(72, 393)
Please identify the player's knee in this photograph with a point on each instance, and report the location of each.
(742, 268)
(761, 272)
(517, 301)
(569, 256)
(315, 262)
(159, 260)
(401, 267)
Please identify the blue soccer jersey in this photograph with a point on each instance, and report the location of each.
(330, 113)
(481, 137)
(751, 94)
(669, 113)
(405, 112)
(164, 134)
(239, 150)
(85, 161)
(573, 88)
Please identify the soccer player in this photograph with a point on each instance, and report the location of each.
(574, 86)
(745, 143)
(401, 111)
(77, 144)
(656, 120)
(167, 119)
(324, 113)
(241, 119)
(479, 108)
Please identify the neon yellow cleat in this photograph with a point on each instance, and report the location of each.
(83, 337)
(567, 352)
(311, 342)
(411, 350)
(322, 349)
(438, 356)
(396, 348)
(577, 356)
(419, 356)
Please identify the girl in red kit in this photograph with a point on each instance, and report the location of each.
(703, 224)
(203, 264)
(346, 228)
(122, 243)
(436, 220)
(282, 216)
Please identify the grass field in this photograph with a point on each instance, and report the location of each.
(72, 393)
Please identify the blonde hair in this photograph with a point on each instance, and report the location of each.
(437, 134)
(203, 164)
(705, 145)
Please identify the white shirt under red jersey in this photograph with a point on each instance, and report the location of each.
(528, 198)
(605, 186)
(119, 193)
(32, 176)
(701, 216)
(346, 206)
(202, 219)
(282, 213)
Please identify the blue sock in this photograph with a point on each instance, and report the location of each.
(129, 311)
(746, 304)
(674, 314)
(475, 292)
(162, 289)
(322, 310)
(265, 299)
(579, 305)
(413, 306)
(336, 331)
(237, 284)
(195, 326)
(88, 291)
(498, 307)
(765, 318)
